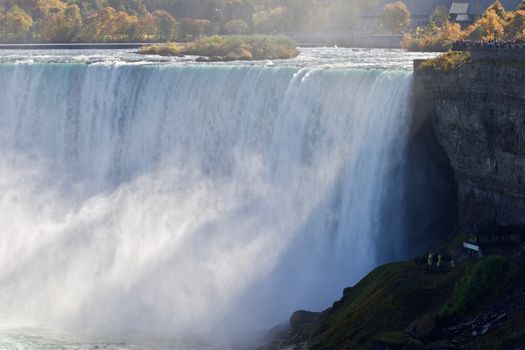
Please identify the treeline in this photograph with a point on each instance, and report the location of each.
(495, 23)
(165, 20)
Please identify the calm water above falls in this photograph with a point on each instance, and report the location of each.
(156, 200)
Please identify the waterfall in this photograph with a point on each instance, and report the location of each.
(196, 197)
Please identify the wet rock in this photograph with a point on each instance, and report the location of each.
(477, 113)
(303, 318)
(486, 328)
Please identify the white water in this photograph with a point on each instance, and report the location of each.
(192, 199)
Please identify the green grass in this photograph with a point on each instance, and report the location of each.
(396, 297)
(383, 304)
(479, 282)
(447, 61)
(230, 48)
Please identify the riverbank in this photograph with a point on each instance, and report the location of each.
(73, 46)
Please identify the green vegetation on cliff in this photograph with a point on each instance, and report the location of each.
(478, 282)
(410, 306)
(383, 305)
(447, 61)
(230, 48)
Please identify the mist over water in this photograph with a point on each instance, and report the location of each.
(195, 199)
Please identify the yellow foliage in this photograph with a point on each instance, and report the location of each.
(515, 25)
(15, 24)
(489, 27)
(395, 17)
(494, 24)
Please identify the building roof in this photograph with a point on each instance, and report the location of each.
(459, 8)
(462, 18)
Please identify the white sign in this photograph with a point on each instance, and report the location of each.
(471, 246)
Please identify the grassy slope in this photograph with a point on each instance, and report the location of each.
(382, 305)
(395, 296)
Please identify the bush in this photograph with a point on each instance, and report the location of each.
(170, 49)
(479, 282)
(447, 61)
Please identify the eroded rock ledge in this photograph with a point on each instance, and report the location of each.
(478, 115)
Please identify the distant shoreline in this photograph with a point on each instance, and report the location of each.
(113, 46)
(73, 46)
(302, 40)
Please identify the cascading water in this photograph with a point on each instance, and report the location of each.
(195, 198)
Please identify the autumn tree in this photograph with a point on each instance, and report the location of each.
(239, 9)
(97, 25)
(515, 25)
(59, 21)
(147, 28)
(15, 24)
(122, 27)
(166, 25)
(395, 17)
(490, 26)
(271, 20)
(440, 17)
(237, 26)
(189, 29)
(497, 8)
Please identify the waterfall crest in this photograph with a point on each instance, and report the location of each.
(194, 197)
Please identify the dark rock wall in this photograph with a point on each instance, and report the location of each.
(478, 116)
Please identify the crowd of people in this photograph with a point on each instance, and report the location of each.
(462, 45)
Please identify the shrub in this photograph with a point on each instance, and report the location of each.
(480, 281)
(447, 61)
(170, 49)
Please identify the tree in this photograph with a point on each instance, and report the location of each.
(270, 20)
(395, 17)
(59, 22)
(166, 25)
(122, 27)
(440, 17)
(521, 5)
(239, 9)
(497, 8)
(99, 25)
(236, 26)
(189, 29)
(489, 27)
(515, 26)
(15, 24)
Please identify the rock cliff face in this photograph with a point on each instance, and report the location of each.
(477, 112)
